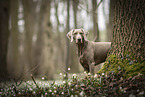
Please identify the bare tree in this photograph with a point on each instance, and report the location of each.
(67, 41)
(95, 20)
(14, 67)
(4, 35)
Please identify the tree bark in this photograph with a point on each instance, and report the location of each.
(129, 28)
(95, 21)
(14, 68)
(67, 41)
(4, 35)
(29, 18)
(109, 24)
(128, 46)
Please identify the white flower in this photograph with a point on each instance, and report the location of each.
(34, 92)
(46, 93)
(103, 74)
(60, 74)
(74, 75)
(85, 72)
(63, 81)
(68, 68)
(42, 78)
(55, 91)
(30, 89)
(69, 83)
(50, 90)
(95, 75)
(120, 88)
(64, 75)
(81, 93)
(62, 93)
(89, 73)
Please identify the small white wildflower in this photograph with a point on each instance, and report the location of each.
(54, 87)
(34, 92)
(64, 75)
(124, 91)
(50, 90)
(39, 82)
(62, 93)
(74, 75)
(85, 72)
(64, 82)
(68, 68)
(55, 91)
(95, 75)
(52, 93)
(46, 93)
(103, 74)
(89, 73)
(60, 74)
(81, 93)
(69, 83)
(120, 88)
(30, 89)
(42, 78)
(72, 89)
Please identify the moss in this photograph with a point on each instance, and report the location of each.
(126, 63)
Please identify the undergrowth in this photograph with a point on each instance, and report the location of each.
(112, 84)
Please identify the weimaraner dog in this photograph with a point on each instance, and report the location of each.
(90, 53)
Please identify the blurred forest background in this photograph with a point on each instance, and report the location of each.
(33, 34)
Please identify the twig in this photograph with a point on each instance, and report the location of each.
(34, 81)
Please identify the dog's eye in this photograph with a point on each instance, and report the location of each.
(75, 33)
(81, 33)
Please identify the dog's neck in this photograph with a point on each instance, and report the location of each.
(81, 47)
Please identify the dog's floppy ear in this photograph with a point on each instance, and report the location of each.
(85, 33)
(70, 35)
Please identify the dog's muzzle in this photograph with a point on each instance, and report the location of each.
(78, 38)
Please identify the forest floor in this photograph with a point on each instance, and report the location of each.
(78, 85)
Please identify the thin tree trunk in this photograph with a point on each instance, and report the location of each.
(95, 21)
(4, 35)
(13, 53)
(29, 31)
(109, 24)
(67, 42)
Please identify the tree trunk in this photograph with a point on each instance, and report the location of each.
(95, 21)
(109, 24)
(14, 68)
(29, 31)
(44, 45)
(4, 35)
(67, 41)
(128, 46)
(129, 28)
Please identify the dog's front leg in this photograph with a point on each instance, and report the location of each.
(91, 67)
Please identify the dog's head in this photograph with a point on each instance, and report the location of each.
(78, 35)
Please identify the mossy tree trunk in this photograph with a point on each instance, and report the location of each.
(128, 45)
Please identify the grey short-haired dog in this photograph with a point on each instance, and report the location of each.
(90, 53)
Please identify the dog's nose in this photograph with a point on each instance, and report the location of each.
(79, 39)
